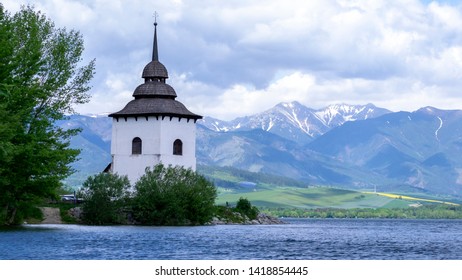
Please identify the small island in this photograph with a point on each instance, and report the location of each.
(53, 215)
(164, 196)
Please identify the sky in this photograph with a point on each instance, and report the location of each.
(235, 58)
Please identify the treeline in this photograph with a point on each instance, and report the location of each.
(422, 212)
(210, 172)
(164, 195)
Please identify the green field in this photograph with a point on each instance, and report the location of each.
(272, 192)
(319, 197)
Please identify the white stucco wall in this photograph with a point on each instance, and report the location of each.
(157, 136)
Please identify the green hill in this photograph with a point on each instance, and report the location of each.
(275, 192)
(316, 197)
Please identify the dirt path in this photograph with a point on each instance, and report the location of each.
(51, 215)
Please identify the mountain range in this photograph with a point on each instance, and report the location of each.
(295, 121)
(351, 146)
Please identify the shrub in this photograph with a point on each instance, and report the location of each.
(173, 196)
(104, 198)
(244, 207)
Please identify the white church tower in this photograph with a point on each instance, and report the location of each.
(154, 127)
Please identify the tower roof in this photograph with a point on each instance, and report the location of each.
(153, 107)
(155, 70)
(154, 88)
(155, 97)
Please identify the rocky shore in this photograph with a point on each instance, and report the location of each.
(262, 219)
(51, 216)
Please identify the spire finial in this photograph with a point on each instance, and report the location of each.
(155, 55)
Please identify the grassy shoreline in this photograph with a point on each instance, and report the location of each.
(422, 212)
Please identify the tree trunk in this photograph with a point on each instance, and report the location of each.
(10, 215)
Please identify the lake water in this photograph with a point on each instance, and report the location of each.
(311, 239)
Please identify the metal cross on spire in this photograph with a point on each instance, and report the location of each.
(155, 17)
(155, 55)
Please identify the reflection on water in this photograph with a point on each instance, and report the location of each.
(300, 239)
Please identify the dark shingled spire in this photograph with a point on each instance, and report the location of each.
(155, 54)
(155, 97)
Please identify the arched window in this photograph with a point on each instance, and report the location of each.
(136, 146)
(178, 147)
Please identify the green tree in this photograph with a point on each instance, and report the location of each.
(105, 198)
(244, 206)
(173, 196)
(41, 79)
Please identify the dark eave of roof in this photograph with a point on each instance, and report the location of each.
(155, 107)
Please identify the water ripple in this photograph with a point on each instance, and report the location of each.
(301, 239)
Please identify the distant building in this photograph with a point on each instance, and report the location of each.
(154, 127)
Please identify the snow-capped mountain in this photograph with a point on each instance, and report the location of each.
(338, 114)
(344, 145)
(420, 150)
(295, 121)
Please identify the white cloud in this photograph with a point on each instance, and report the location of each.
(233, 58)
